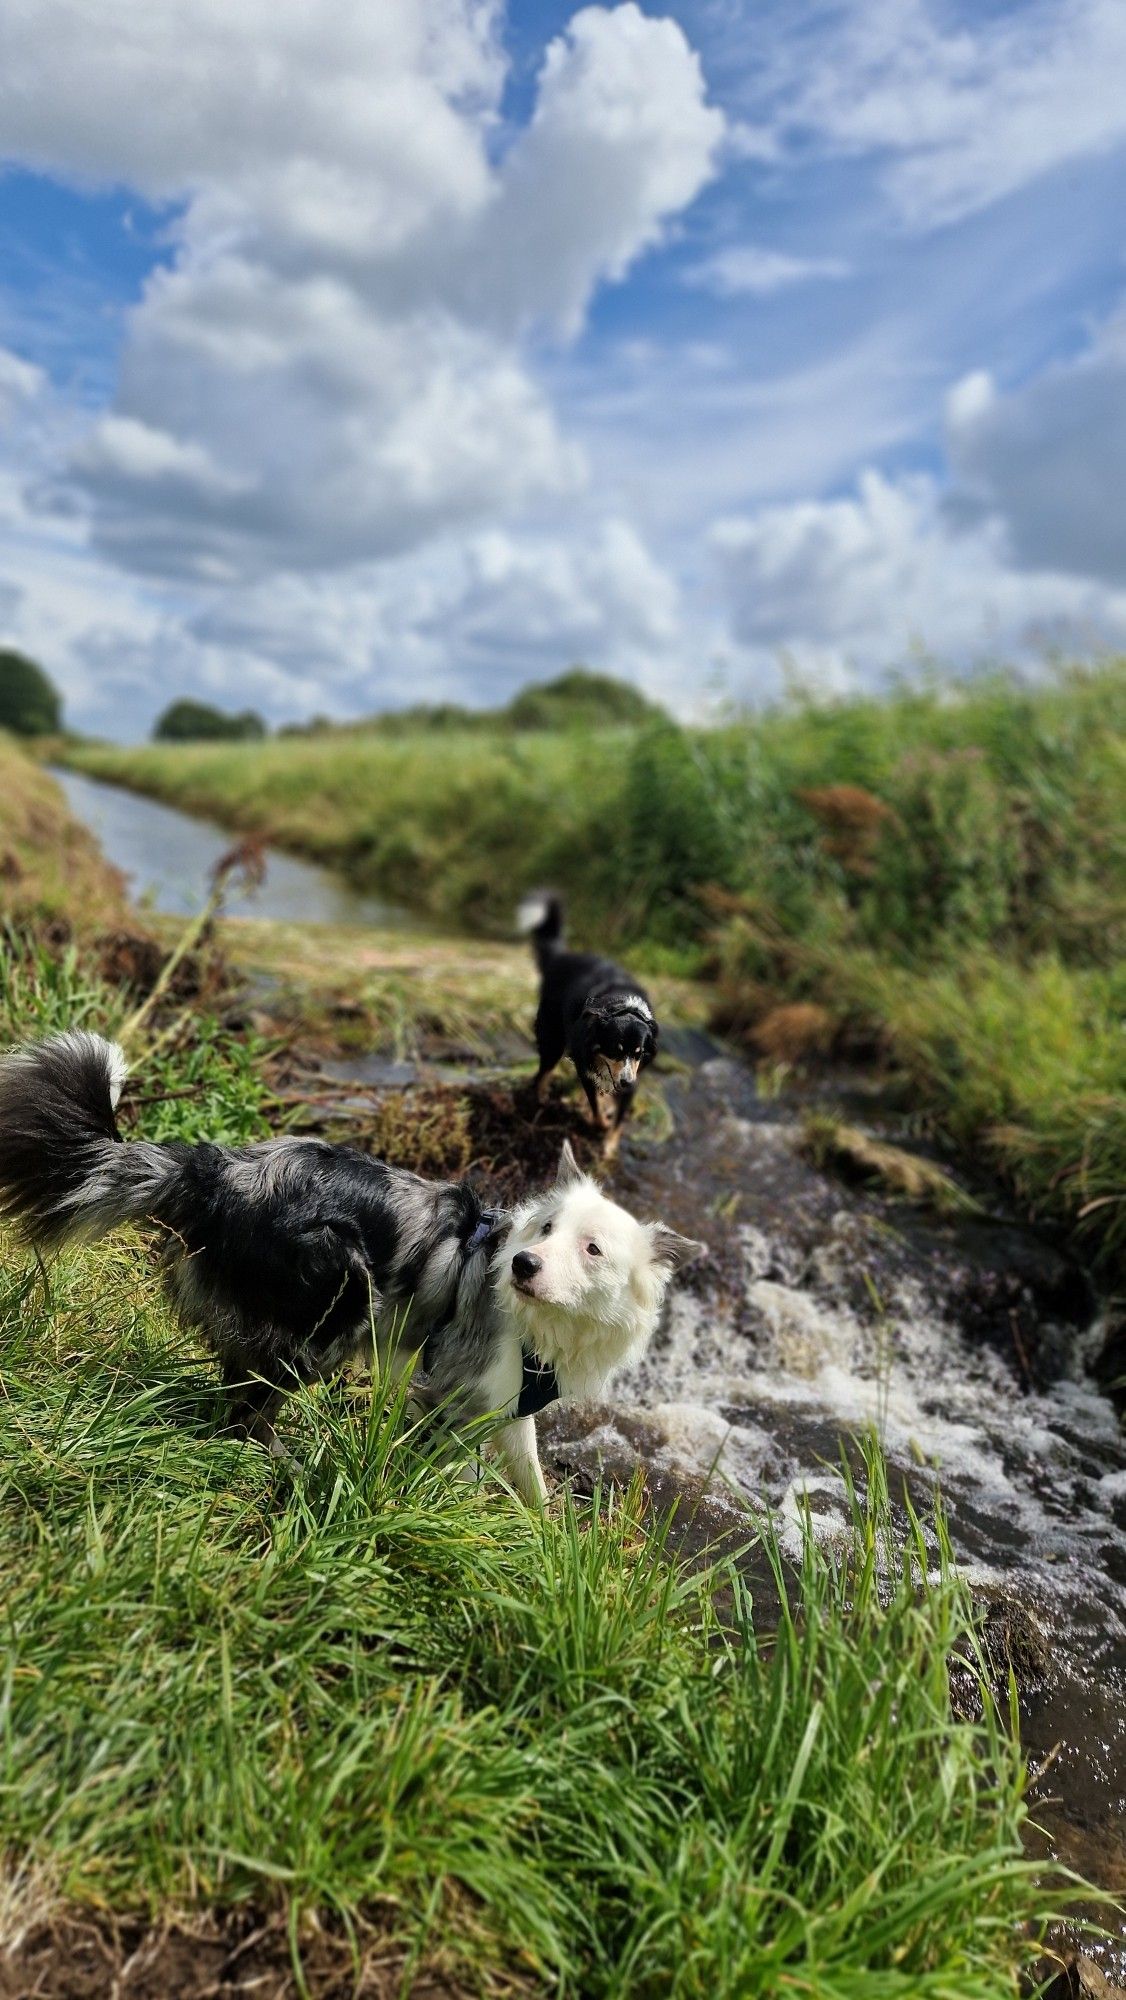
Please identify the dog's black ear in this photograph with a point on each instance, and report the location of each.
(568, 1169)
(671, 1250)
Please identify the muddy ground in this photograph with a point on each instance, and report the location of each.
(75, 1954)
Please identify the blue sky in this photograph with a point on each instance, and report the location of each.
(417, 351)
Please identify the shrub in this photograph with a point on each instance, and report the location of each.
(29, 703)
(579, 700)
(196, 721)
(953, 862)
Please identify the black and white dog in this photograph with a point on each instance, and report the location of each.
(593, 1011)
(294, 1256)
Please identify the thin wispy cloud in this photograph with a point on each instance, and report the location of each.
(748, 268)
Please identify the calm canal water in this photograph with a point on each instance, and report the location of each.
(168, 856)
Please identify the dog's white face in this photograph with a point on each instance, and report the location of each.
(584, 1278)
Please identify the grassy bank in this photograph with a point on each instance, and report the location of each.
(942, 870)
(369, 1699)
(50, 867)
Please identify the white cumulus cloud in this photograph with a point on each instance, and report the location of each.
(855, 586)
(1049, 459)
(332, 369)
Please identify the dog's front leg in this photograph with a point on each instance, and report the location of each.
(251, 1408)
(516, 1443)
(595, 1113)
(623, 1105)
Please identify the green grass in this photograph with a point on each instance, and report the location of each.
(534, 1744)
(1027, 1063)
(383, 1687)
(1020, 1062)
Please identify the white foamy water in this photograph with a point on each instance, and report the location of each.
(1032, 1478)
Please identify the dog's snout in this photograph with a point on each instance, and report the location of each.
(525, 1266)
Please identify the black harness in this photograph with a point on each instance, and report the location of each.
(539, 1384)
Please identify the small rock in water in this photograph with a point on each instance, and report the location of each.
(1082, 1979)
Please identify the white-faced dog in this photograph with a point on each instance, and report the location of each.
(294, 1256)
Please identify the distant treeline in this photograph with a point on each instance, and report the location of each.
(198, 722)
(577, 699)
(30, 705)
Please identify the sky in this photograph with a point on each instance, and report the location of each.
(363, 354)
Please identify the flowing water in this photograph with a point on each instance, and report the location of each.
(167, 857)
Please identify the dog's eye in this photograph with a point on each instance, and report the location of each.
(546, 1230)
(593, 1250)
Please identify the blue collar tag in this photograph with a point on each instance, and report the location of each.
(488, 1227)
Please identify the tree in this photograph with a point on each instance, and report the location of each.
(29, 704)
(579, 699)
(189, 721)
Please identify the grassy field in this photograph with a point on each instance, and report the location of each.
(943, 872)
(366, 1703)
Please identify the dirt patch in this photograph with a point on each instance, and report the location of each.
(135, 960)
(482, 1127)
(90, 1955)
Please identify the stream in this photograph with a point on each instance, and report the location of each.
(823, 1308)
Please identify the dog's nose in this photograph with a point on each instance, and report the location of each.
(525, 1266)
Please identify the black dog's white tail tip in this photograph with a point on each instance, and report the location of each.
(540, 916)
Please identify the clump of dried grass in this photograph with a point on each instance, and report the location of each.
(829, 1142)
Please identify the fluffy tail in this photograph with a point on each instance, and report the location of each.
(63, 1169)
(540, 917)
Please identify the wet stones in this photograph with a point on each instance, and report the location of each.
(1081, 1979)
(1013, 1290)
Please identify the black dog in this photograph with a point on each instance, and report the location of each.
(593, 1011)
